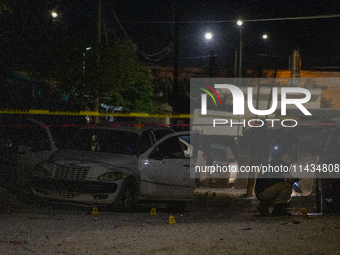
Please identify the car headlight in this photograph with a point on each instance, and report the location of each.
(41, 171)
(112, 176)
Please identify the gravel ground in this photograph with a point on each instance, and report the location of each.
(217, 222)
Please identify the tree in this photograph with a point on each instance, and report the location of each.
(53, 50)
(118, 80)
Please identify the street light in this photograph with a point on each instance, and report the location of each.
(208, 35)
(265, 36)
(54, 15)
(239, 23)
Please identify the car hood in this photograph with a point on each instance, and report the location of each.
(90, 157)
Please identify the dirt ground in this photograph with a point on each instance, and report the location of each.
(219, 221)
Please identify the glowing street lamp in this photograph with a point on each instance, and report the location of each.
(208, 35)
(54, 15)
(265, 36)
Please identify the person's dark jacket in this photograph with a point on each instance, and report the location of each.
(267, 179)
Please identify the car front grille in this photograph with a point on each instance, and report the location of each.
(68, 172)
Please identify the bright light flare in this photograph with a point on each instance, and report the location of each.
(265, 36)
(239, 22)
(208, 36)
(54, 15)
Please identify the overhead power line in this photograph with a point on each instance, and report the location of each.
(234, 21)
(147, 56)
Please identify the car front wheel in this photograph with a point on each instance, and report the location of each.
(127, 197)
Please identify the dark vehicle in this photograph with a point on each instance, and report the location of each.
(328, 175)
(24, 143)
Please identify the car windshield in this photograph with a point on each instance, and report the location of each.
(62, 134)
(105, 140)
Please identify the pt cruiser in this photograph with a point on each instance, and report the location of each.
(117, 166)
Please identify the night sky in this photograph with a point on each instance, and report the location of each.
(149, 25)
(316, 39)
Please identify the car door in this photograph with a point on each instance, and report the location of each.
(165, 171)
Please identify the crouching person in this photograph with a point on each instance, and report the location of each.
(274, 183)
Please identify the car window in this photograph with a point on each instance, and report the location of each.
(147, 142)
(170, 148)
(62, 134)
(105, 140)
(162, 132)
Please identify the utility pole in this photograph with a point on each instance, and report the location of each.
(99, 31)
(240, 60)
(211, 64)
(235, 64)
(175, 60)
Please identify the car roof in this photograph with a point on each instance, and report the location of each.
(139, 129)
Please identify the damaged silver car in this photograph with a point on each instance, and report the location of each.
(117, 166)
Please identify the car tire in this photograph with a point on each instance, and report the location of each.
(127, 197)
(176, 206)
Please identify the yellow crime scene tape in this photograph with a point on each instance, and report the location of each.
(92, 113)
(117, 114)
(132, 114)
